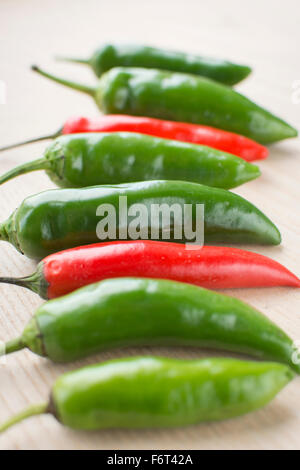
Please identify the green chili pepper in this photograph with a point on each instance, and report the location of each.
(182, 97)
(142, 392)
(110, 158)
(62, 218)
(125, 312)
(130, 55)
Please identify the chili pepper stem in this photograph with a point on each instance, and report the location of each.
(74, 60)
(40, 164)
(31, 141)
(3, 232)
(76, 86)
(12, 345)
(27, 413)
(34, 282)
(22, 281)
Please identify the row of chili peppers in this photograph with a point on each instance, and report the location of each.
(145, 303)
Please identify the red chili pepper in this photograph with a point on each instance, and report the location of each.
(204, 135)
(209, 266)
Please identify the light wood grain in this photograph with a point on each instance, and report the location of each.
(263, 34)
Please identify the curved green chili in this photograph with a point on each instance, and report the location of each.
(133, 55)
(124, 312)
(181, 97)
(62, 218)
(89, 159)
(143, 392)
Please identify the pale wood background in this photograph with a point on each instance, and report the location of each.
(264, 34)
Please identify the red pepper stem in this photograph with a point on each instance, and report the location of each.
(34, 282)
(27, 413)
(40, 164)
(22, 281)
(76, 86)
(31, 141)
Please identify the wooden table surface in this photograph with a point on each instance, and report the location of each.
(265, 35)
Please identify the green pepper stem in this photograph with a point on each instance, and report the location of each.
(27, 413)
(74, 60)
(77, 86)
(31, 141)
(34, 282)
(3, 232)
(11, 346)
(40, 164)
(17, 281)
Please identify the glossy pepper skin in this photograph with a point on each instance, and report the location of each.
(124, 312)
(89, 159)
(195, 134)
(132, 55)
(184, 98)
(63, 218)
(156, 392)
(162, 392)
(212, 267)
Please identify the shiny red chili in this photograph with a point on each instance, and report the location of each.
(208, 266)
(204, 135)
(222, 140)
